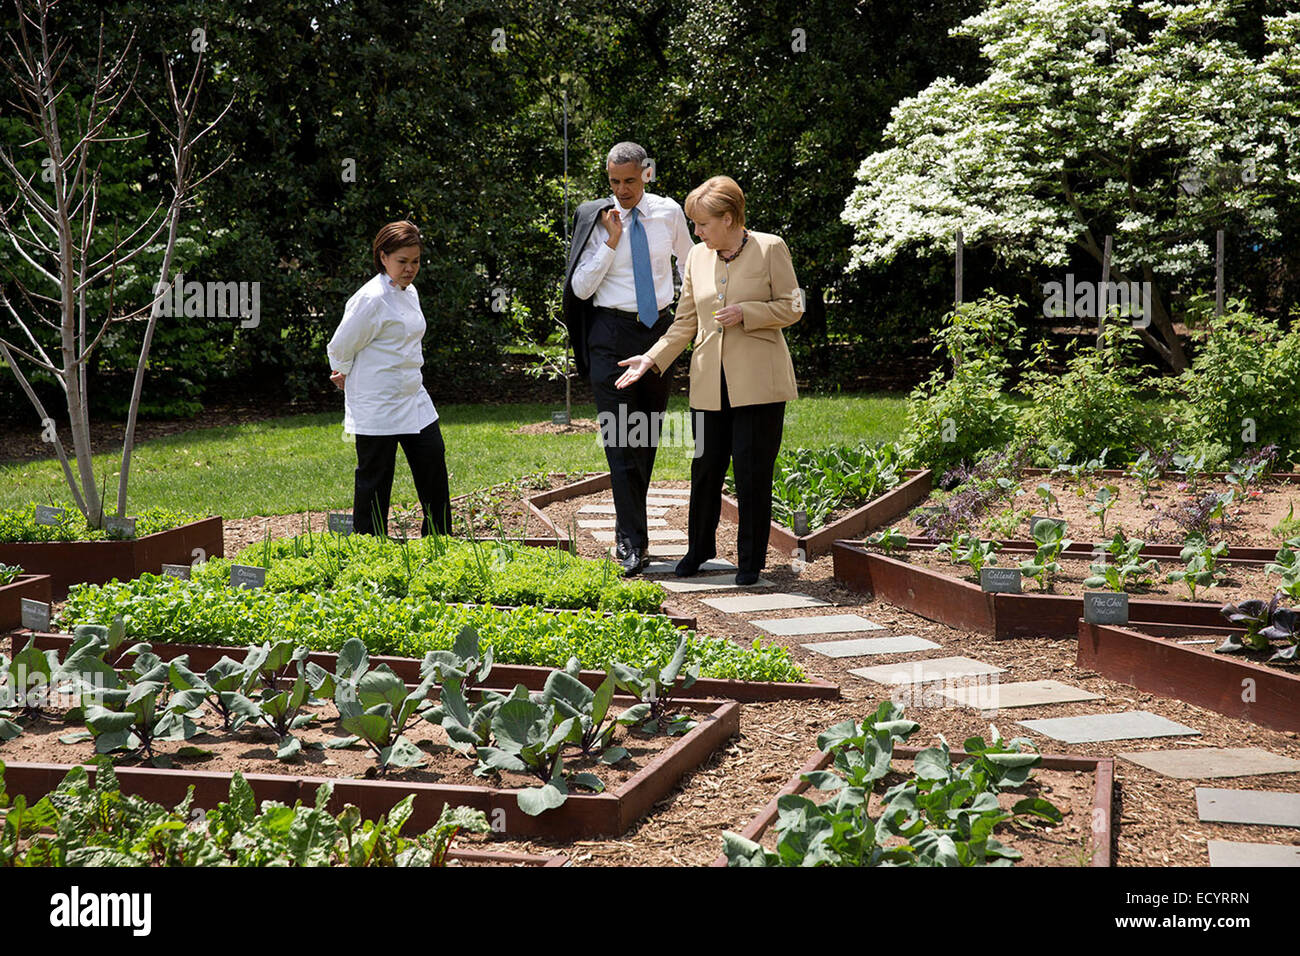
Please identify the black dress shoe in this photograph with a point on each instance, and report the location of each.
(687, 568)
(744, 578)
(620, 550)
(635, 562)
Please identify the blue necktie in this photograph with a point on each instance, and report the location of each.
(647, 305)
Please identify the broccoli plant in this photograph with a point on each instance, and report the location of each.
(1044, 492)
(466, 663)
(468, 725)
(888, 541)
(1049, 536)
(1200, 560)
(971, 550)
(1106, 498)
(1128, 570)
(381, 712)
(656, 690)
(1146, 472)
(530, 737)
(226, 686)
(145, 711)
(595, 725)
(1287, 564)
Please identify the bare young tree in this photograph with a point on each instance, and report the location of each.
(56, 224)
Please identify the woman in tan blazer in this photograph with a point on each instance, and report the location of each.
(738, 293)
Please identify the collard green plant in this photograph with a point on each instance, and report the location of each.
(1200, 560)
(1049, 500)
(595, 721)
(381, 712)
(1126, 571)
(656, 689)
(1050, 541)
(887, 541)
(142, 710)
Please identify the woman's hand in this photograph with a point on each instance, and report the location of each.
(338, 378)
(729, 316)
(637, 366)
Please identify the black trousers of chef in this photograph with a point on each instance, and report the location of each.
(373, 485)
(749, 438)
(630, 417)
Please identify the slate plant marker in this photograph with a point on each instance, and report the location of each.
(181, 571)
(120, 527)
(244, 576)
(559, 418)
(49, 516)
(340, 522)
(1105, 607)
(36, 615)
(1000, 580)
(800, 523)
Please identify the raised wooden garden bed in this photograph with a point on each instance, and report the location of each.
(33, 587)
(1102, 768)
(581, 817)
(880, 511)
(203, 656)
(1227, 684)
(535, 503)
(97, 562)
(961, 604)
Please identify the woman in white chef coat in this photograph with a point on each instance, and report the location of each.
(376, 357)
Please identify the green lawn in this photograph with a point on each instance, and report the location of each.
(288, 465)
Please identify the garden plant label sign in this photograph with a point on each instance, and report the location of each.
(340, 522)
(800, 523)
(120, 527)
(181, 571)
(1105, 607)
(244, 576)
(47, 515)
(559, 418)
(36, 615)
(1001, 580)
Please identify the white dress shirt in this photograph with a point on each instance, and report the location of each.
(607, 273)
(377, 346)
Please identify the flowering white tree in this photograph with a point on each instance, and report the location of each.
(1147, 122)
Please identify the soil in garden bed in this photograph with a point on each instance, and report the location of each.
(1065, 844)
(1250, 522)
(252, 750)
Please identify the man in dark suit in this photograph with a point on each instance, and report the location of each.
(618, 293)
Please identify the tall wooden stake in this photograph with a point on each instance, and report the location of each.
(1103, 295)
(960, 249)
(1218, 273)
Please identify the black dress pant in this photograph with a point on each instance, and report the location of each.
(629, 417)
(749, 437)
(376, 459)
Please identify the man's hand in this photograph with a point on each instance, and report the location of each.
(729, 316)
(338, 378)
(636, 366)
(613, 225)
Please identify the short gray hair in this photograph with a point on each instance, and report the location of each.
(626, 153)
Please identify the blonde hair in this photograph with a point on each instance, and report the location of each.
(716, 196)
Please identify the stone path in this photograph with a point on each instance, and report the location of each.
(1243, 807)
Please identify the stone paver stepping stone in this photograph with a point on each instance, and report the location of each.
(1228, 853)
(864, 646)
(922, 672)
(743, 603)
(610, 522)
(655, 534)
(666, 550)
(669, 567)
(709, 582)
(1206, 763)
(1093, 728)
(608, 509)
(1030, 693)
(1270, 808)
(822, 624)
(664, 504)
